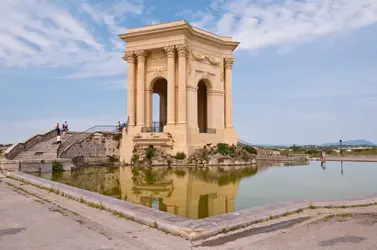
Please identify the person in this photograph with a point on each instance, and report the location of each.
(119, 127)
(65, 128)
(58, 138)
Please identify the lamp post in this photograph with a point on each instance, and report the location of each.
(340, 147)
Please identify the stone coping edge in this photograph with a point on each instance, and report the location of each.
(183, 227)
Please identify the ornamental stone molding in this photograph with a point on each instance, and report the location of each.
(141, 55)
(157, 72)
(199, 56)
(228, 63)
(129, 56)
(170, 50)
(182, 49)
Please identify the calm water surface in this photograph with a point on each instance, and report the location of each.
(199, 193)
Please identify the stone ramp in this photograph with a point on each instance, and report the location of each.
(46, 150)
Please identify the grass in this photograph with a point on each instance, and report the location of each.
(312, 207)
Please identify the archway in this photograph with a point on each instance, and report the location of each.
(159, 99)
(202, 107)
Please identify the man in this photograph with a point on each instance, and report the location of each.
(119, 127)
(57, 129)
(65, 128)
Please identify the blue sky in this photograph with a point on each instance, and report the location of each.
(305, 71)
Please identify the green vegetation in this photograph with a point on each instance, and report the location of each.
(250, 149)
(312, 207)
(180, 156)
(150, 153)
(57, 167)
(225, 149)
(135, 158)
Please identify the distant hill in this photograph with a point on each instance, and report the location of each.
(357, 142)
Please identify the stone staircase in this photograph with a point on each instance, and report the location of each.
(46, 150)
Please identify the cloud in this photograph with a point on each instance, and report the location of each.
(258, 24)
(76, 35)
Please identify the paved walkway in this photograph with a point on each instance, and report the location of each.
(37, 219)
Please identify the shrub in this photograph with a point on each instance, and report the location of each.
(223, 148)
(180, 156)
(57, 167)
(135, 158)
(150, 152)
(250, 149)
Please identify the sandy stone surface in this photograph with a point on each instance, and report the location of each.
(37, 219)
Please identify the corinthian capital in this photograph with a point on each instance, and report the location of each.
(170, 51)
(182, 49)
(228, 63)
(129, 56)
(141, 55)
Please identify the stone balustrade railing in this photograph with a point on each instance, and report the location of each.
(15, 149)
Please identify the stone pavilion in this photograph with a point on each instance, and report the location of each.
(191, 72)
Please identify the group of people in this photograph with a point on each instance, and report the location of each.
(121, 126)
(61, 131)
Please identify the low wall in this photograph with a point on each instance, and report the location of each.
(350, 158)
(33, 166)
(15, 149)
(96, 146)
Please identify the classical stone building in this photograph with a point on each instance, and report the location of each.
(191, 71)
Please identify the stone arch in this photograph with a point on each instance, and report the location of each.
(158, 88)
(203, 108)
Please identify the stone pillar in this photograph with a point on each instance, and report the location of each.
(192, 106)
(170, 51)
(228, 93)
(141, 55)
(148, 105)
(182, 84)
(130, 58)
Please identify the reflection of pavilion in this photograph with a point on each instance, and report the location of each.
(187, 195)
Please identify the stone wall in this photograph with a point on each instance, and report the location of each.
(97, 145)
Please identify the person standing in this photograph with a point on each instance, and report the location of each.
(66, 126)
(58, 138)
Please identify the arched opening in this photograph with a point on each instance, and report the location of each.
(202, 107)
(159, 104)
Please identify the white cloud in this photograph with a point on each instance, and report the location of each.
(78, 35)
(258, 24)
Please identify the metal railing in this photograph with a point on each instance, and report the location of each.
(243, 143)
(157, 127)
(82, 135)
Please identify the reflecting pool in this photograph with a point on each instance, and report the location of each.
(202, 192)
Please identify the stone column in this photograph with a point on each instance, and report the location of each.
(130, 58)
(148, 105)
(228, 93)
(182, 84)
(141, 55)
(170, 51)
(192, 106)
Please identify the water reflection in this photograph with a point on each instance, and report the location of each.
(192, 193)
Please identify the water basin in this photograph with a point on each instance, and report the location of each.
(202, 192)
